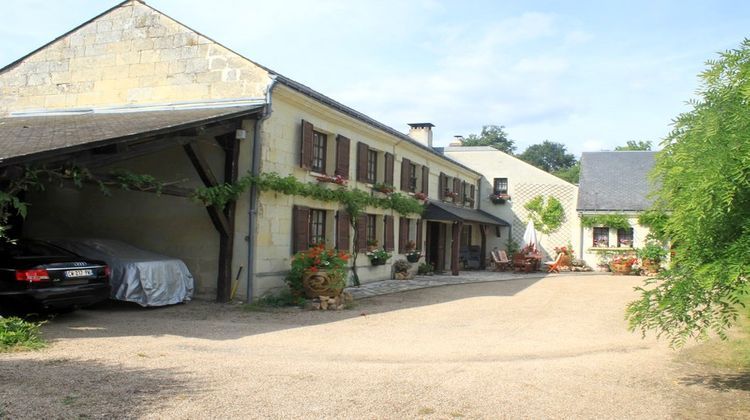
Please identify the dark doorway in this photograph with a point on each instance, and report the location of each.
(436, 245)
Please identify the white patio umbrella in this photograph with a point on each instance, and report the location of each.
(529, 236)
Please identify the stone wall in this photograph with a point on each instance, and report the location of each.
(133, 55)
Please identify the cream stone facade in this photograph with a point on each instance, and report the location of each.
(524, 182)
(134, 58)
(595, 253)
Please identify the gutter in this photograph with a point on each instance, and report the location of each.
(255, 171)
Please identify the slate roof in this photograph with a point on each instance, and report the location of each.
(26, 137)
(437, 210)
(615, 181)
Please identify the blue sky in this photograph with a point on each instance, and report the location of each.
(589, 74)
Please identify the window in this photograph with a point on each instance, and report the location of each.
(317, 227)
(501, 186)
(466, 236)
(372, 166)
(412, 177)
(625, 238)
(371, 229)
(319, 152)
(601, 236)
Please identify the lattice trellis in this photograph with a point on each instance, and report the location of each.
(523, 193)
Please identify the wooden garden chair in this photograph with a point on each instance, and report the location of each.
(500, 260)
(554, 266)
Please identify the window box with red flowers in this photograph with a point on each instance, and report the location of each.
(420, 196)
(499, 198)
(338, 179)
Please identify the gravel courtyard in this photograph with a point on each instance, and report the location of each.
(555, 347)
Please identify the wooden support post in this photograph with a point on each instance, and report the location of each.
(483, 256)
(456, 247)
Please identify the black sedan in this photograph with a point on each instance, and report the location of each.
(36, 275)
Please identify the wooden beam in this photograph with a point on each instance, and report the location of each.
(226, 242)
(483, 256)
(206, 175)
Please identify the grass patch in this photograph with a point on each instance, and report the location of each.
(270, 302)
(733, 353)
(17, 334)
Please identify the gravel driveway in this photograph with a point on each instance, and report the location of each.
(535, 348)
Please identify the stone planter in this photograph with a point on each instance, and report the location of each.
(321, 283)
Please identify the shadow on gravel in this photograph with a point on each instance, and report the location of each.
(215, 321)
(720, 382)
(67, 388)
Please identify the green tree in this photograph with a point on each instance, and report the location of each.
(635, 145)
(548, 215)
(704, 171)
(491, 135)
(571, 174)
(549, 156)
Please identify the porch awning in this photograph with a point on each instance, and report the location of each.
(440, 211)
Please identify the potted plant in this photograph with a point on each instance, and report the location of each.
(651, 256)
(425, 269)
(338, 179)
(499, 198)
(450, 194)
(622, 264)
(602, 261)
(378, 256)
(420, 196)
(412, 254)
(318, 272)
(383, 188)
(372, 245)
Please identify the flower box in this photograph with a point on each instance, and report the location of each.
(499, 198)
(338, 179)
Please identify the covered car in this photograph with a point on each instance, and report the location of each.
(137, 275)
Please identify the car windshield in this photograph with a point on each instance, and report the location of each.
(32, 249)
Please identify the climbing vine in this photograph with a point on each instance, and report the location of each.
(548, 215)
(353, 200)
(614, 221)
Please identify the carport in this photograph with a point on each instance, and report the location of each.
(189, 147)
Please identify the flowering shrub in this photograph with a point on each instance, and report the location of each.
(623, 260)
(567, 250)
(338, 179)
(316, 259)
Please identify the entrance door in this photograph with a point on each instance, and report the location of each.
(436, 245)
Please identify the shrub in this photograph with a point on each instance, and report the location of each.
(17, 333)
(401, 266)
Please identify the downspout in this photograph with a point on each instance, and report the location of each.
(255, 171)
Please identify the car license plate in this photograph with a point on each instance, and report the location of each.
(78, 273)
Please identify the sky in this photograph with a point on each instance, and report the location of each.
(589, 74)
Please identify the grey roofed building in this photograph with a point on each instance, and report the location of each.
(616, 181)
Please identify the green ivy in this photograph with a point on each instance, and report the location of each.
(614, 221)
(547, 215)
(354, 200)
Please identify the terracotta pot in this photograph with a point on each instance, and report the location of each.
(651, 266)
(321, 283)
(621, 268)
(565, 260)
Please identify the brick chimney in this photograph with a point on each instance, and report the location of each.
(422, 133)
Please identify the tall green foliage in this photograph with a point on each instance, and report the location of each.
(547, 215)
(491, 135)
(704, 170)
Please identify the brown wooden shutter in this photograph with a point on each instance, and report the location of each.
(342, 156)
(361, 233)
(442, 185)
(419, 234)
(388, 176)
(342, 231)
(464, 191)
(457, 189)
(405, 174)
(362, 150)
(306, 148)
(389, 233)
(471, 194)
(426, 180)
(300, 228)
(403, 234)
